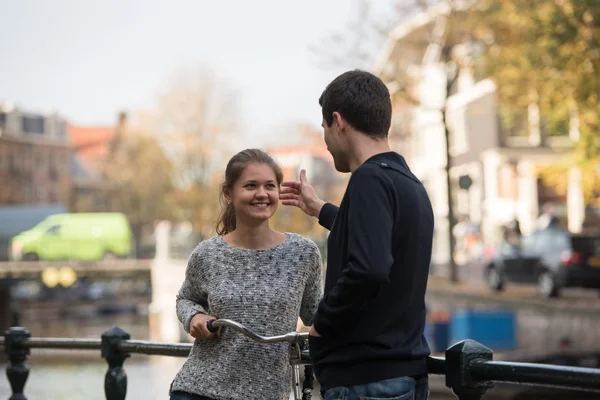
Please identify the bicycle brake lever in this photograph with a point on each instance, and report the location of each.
(210, 326)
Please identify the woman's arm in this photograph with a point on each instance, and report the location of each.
(313, 291)
(191, 299)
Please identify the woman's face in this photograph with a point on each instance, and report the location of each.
(255, 194)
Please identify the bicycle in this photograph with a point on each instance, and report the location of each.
(298, 351)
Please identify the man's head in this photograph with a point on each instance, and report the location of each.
(354, 102)
(548, 208)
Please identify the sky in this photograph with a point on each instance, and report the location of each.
(89, 59)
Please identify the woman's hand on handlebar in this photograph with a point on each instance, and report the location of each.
(199, 330)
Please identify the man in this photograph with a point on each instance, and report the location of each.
(367, 337)
(548, 218)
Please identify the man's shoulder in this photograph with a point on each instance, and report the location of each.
(387, 171)
(367, 170)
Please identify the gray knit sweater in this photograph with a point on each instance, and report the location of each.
(266, 290)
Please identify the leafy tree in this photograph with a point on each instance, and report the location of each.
(542, 51)
(138, 175)
(549, 50)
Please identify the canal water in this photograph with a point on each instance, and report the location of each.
(148, 378)
(76, 375)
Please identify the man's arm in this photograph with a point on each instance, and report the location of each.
(370, 224)
(327, 215)
(302, 195)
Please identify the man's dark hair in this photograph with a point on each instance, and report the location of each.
(362, 99)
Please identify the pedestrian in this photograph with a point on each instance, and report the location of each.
(254, 275)
(367, 339)
(547, 218)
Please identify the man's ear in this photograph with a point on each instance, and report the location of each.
(339, 121)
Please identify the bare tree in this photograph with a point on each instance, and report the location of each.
(359, 42)
(138, 175)
(196, 119)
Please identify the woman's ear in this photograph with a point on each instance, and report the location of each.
(227, 196)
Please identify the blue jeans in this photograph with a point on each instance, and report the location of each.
(187, 396)
(404, 388)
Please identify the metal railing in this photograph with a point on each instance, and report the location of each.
(468, 366)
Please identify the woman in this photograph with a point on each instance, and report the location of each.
(252, 274)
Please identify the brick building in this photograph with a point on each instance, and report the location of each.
(35, 158)
(91, 145)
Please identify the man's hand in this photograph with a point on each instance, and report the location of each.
(199, 330)
(300, 194)
(313, 332)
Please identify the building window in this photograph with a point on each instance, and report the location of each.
(548, 193)
(3, 158)
(9, 158)
(513, 120)
(555, 122)
(33, 124)
(64, 162)
(42, 160)
(41, 193)
(15, 163)
(59, 129)
(27, 159)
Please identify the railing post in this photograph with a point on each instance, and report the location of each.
(458, 375)
(115, 381)
(17, 372)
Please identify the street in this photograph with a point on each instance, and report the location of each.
(472, 281)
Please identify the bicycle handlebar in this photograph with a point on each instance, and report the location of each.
(213, 325)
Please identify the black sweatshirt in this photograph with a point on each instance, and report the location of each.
(372, 316)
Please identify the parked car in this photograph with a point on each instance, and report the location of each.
(75, 236)
(551, 258)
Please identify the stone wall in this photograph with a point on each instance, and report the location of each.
(541, 323)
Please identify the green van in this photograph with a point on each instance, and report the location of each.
(75, 236)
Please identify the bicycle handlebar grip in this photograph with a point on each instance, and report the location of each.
(210, 326)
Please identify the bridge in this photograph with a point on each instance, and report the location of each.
(55, 287)
(540, 323)
(468, 368)
(35, 269)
